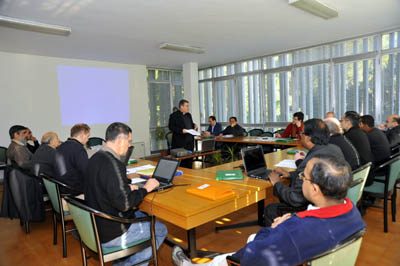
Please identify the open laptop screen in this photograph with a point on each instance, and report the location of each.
(253, 158)
(165, 170)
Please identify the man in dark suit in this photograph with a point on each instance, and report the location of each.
(179, 123)
(233, 129)
(393, 130)
(214, 127)
(378, 142)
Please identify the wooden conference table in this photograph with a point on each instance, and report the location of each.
(260, 141)
(188, 211)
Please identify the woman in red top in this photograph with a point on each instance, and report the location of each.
(294, 129)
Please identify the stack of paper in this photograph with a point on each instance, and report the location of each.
(147, 167)
(287, 164)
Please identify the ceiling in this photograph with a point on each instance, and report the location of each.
(130, 31)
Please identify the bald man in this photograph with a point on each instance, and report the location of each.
(393, 129)
(44, 159)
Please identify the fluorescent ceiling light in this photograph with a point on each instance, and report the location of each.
(33, 26)
(182, 48)
(315, 7)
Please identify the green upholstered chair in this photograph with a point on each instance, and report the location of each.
(59, 214)
(267, 134)
(384, 187)
(256, 132)
(345, 254)
(359, 178)
(85, 221)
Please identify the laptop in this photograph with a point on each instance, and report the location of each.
(254, 162)
(164, 173)
(207, 145)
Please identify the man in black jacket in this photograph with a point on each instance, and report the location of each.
(179, 123)
(44, 159)
(350, 124)
(393, 130)
(109, 190)
(349, 151)
(233, 129)
(72, 158)
(380, 146)
(315, 138)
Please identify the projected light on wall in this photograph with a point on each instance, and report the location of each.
(93, 95)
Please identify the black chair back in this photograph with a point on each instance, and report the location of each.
(95, 141)
(256, 132)
(3, 155)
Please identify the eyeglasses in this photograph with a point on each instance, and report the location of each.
(303, 177)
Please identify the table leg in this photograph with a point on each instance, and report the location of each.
(191, 238)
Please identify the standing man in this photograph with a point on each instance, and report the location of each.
(72, 157)
(294, 129)
(108, 189)
(214, 128)
(179, 123)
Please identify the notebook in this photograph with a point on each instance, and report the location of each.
(254, 162)
(164, 173)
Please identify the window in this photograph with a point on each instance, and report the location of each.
(355, 87)
(313, 90)
(360, 74)
(165, 92)
(390, 84)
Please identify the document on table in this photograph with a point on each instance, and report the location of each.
(139, 168)
(193, 132)
(287, 164)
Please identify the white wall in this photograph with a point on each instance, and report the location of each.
(29, 96)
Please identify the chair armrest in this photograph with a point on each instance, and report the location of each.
(356, 182)
(126, 220)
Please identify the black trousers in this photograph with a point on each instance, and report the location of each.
(275, 210)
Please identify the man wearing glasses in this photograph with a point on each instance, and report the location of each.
(314, 138)
(292, 238)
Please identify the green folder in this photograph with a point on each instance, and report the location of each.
(284, 140)
(229, 175)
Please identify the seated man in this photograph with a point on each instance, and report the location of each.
(393, 130)
(72, 158)
(233, 129)
(44, 159)
(378, 142)
(349, 151)
(18, 154)
(109, 190)
(294, 129)
(295, 238)
(315, 139)
(31, 142)
(214, 128)
(350, 125)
